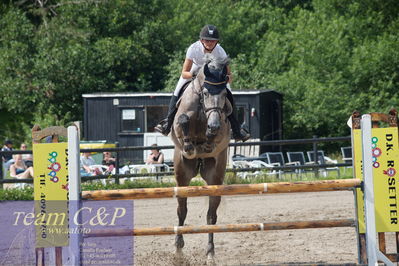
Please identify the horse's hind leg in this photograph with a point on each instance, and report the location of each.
(213, 171)
(211, 218)
(181, 214)
(184, 170)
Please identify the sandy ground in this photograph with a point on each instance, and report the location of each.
(332, 245)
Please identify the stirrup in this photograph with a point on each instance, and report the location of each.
(162, 127)
(243, 135)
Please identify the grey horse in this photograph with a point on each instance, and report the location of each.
(201, 134)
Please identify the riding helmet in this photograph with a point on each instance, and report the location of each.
(209, 32)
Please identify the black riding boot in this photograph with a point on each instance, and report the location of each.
(238, 132)
(165, 125)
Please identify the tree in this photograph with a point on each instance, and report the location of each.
(327, 57)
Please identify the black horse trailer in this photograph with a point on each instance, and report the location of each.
(130, 118)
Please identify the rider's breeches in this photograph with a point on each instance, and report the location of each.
(180, 85)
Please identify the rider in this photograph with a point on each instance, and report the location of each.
(195, 59)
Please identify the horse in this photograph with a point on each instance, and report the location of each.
(201, 134)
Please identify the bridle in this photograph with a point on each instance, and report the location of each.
(200, 93)
(209, 110)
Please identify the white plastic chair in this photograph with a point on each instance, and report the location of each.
(254, 164)
(277, 159)
(347, 156)
(241, 164)
(262, 164)
(322, 159)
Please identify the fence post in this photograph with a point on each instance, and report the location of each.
(1, 170)
(315, 157)
(117, 163)
(373, 252)
(74, 195)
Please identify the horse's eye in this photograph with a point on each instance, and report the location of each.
(206, 93)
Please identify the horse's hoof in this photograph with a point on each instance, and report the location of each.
(179, 257)
(208, 149)
(179, 252)
(211, 249)
(210, 252)
(188, 148)
(189, 151)
(179, 242)
(210, 260)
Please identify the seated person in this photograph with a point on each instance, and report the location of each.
(109, 161)
(85, 162)
(155, 157)
(8, 159)
(27, 158)
(19, 170)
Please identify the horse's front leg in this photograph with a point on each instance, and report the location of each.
(211, 218)
(184, 122)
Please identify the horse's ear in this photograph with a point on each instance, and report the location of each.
(206, 70)
(224, 73)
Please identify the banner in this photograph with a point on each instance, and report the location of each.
(385, 151)
(51, 194)
(385, 157)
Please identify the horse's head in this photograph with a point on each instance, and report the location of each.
(214, 92)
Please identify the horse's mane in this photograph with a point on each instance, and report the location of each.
(216, 63)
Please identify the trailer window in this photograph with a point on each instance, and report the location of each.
(132, 120)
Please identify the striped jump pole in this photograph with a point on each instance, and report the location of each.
(221, 228)
(219, 190)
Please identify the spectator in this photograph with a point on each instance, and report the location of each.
(27, 157)
(155, 157)
(109, 161)
(19, 169)
(85, 162)
(7, 158)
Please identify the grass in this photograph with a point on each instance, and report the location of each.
(230, 178)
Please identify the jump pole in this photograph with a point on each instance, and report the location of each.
(171, 230)
(219, 190)
(282, 187)
(373, 253)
